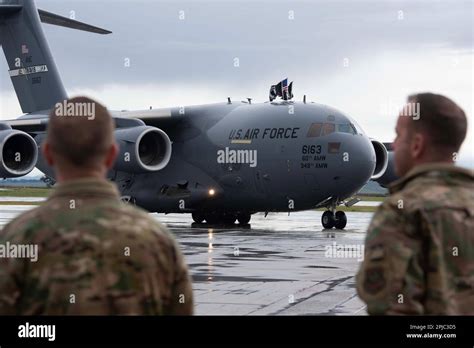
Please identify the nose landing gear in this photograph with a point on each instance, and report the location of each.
(328, 219)
(337, 220)
(332, 218)
(341, 220)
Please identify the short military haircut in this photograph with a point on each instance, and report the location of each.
(80, 131)
(442, 119)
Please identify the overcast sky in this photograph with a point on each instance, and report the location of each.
(362, 57)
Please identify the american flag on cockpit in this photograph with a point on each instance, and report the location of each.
(284, 88)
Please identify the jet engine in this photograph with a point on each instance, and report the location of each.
(389, 176)
(381, 159)
(142, 149)
(18, 153)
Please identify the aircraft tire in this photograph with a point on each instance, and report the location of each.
(220, 218)
(327, 219)
(244, 219)
(198, 218)
(229, 219)
(340, 220)
(212, 218)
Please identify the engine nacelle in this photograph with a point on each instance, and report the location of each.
(381, 159)
(389, 176)
(18, 153)
(142, 149)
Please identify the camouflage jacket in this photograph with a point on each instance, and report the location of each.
(419, 250)
(96, 256)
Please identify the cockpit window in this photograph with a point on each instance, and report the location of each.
(346, 128)
(321, 129)
(354, 128)
(328, 128)
(354, 124)
(314, 130)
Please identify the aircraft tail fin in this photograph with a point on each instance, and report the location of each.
(32, 69)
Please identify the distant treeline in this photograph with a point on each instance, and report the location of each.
(22, 183)
(370, 189)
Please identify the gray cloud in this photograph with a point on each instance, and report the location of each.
(201, 48)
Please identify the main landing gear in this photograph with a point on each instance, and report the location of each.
(220, 218)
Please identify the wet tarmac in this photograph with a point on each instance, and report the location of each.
(21, 199)
(286, 265)
(281, 265)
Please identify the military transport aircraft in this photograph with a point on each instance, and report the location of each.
(220, 162)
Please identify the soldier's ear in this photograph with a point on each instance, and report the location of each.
(418, 145)
(47, 153)
(111, 155)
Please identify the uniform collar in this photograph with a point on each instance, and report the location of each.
(85, 187)
(429, 167)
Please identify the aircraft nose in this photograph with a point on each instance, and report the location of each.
(357, 163)
(365, 156)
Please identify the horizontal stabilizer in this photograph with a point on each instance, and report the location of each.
(54, 19)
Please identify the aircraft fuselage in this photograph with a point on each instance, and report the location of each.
(255, 157)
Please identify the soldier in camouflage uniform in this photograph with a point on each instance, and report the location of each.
(96, 255)
(419, 252)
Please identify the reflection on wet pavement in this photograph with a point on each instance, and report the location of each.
(282, 265)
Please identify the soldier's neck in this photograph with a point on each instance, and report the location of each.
(65, 176)
(434, 159)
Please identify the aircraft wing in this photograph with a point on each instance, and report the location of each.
(160, 118)
(32, 125)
